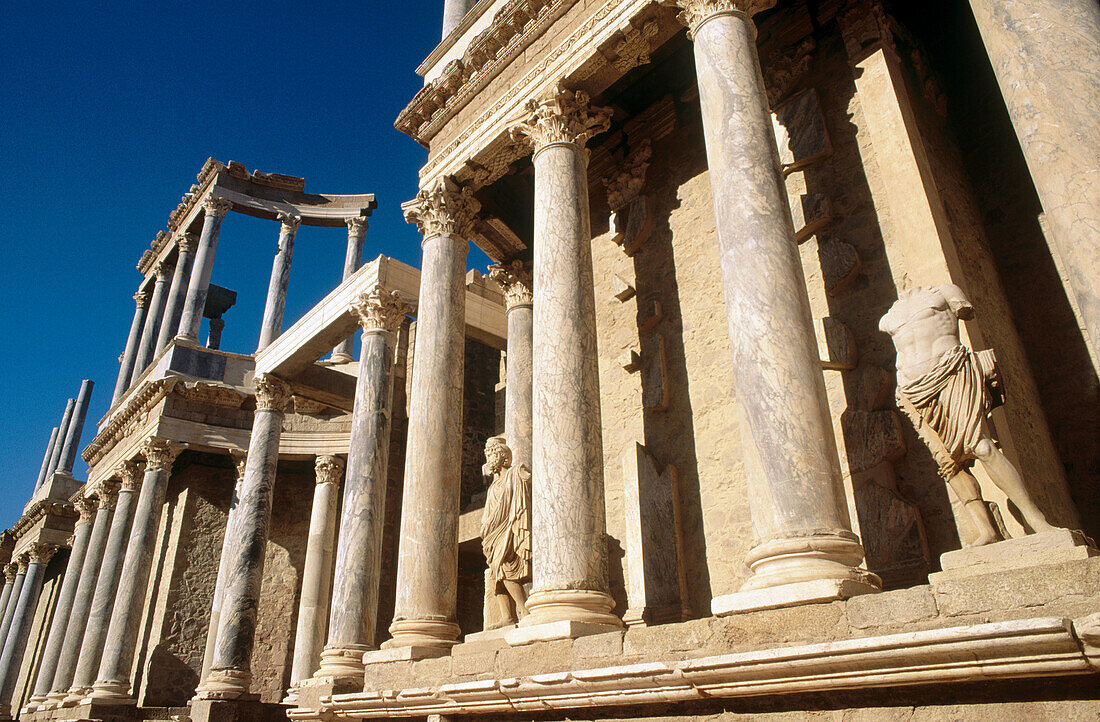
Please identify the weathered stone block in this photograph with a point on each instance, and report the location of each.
(888, 609)
(599, 645)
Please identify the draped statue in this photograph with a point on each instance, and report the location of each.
(506, 529)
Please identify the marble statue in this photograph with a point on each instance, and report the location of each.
(947, 390)
(506, 529)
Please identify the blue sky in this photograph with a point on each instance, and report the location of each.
(110, 109)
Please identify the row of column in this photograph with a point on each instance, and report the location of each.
(19, 599)
(64, 441)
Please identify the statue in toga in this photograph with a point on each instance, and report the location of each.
(947, 391)
(506, 529)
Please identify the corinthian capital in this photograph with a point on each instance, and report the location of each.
(289, 221)
(357, 225)
(328, 469)
(10, 570)
(694, 12)
(186, 242)
(106, 495)
(566, 117)
(216, 207)
(444, 209)
(163, 271)
(272, 393)
(379, 309)
(141, 298)
(130, 473)
(160, 454)
(515, 281)
(86, 506)
(41, 553)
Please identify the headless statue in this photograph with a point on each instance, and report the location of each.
(945, 390)
(506, 530)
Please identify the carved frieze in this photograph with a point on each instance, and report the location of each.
(209, 393)
(626, 182)
(127, 419)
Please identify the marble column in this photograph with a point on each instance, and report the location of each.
(126, 369)
(15, 644)
(112, 684)
(799, 516)
(453, 12)
(240, 459)
(427, 566)
(59, 444)
(230, 672)
(45, 468)
(62, 612)
(173, 309)
(515, 280)
(272, 324)
(202, 267)
(76, 428)
(107, 495)
(1044, 54)
(570, 581)
(106, 584)
(148, 345)
(316, 573)
(214, 334)
(357, 230)
(14, 574)
(354, 613)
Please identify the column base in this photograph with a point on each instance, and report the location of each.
(422, 633)
(110, 692)
(342, 661)
(226, 684)
(562, 629)
(832, 555)
(340, 358)
(582, 606)
(819, 591)
(74, 695)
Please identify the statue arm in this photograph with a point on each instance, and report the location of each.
(958, 302)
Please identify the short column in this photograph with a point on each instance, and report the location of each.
(173, 309)
(112, 685)
(316, 573)
(804, 543)
(126, 368)
(148, 345)
(515, 280)
(272, 324)
(230, 671)
(106, 584)
(107, 495)
(47, 666)
(195, 302)
(354, 614)
(240, 459)
(570, 582)
(38, 556)
(427, 566)
(1044, 54)
(357, 230)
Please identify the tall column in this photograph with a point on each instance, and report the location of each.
(44, 469)
(148, 345)
(427, 566)
(357, 230)
(354, 615)
(129, 356)
(112, 685)
(173, 309)
(240, 459)
(804, 542)
(316, 573)
(107, 495)
(570, 581)
(38, 556)
(272, 324)
(76, 428)
(515, 280)
(62, 432)
(1044, 54)
(63, 610)
(453, 12)
(203, 266)
(106, 585)
(230, 671)
(13, 582)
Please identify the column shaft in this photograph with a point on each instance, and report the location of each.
(45, 464)
(453, 12)
(148, 345)
(13, 600)
(515, 281)
(16, 642)
(5, 595)
(272, 324)
(353, 258)
(62, 432)
(126, 367)
(203, 266)
(76, 428)
(173, 309)
(219, 584)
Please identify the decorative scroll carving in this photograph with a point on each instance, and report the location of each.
(446, 208)
(625, 184)
(357, 225)
(160, 454)
(379, 309)
(515, 281)
(289, 221)
(328, 469)
(130, 473)
(694, 12)
(217, 207)
(272, 393)
(566, 117)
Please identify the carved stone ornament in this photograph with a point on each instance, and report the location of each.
(86, 506)
(107, 495)
(22, 561)
(444, 209)
(130, 472)
(694, 12)
(289, 221)
(626, 183)
(141, 298)
(633, 50)
(785, 68)
(514, 280)
(357, 225)
(186, 242)
(566, 117)
(41, 553)
(217, 207)
(272, 393)
(328, 469)
(10, 570)
(380, 310)
(240, 460)
(163, 271)
(160, 454)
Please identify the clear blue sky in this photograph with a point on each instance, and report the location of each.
(109, 110)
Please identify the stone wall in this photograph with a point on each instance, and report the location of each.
(479, 416)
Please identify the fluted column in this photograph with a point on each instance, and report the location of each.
(112, 684)
(17, 570)
(272, 324)
(515, 280)
(44, 469)
(194, 303)
(357, 230)
(453, 12)
(173, 309)
(240, 459)
(63, 610)
(800, 520)
(148, 345)
(126, 368)
(354, 613)
(427, 565)
(230, 672)
(76, 428)
(15, 644)
(316, 572)
(106, 584)
(570, 581)
(107, 495)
